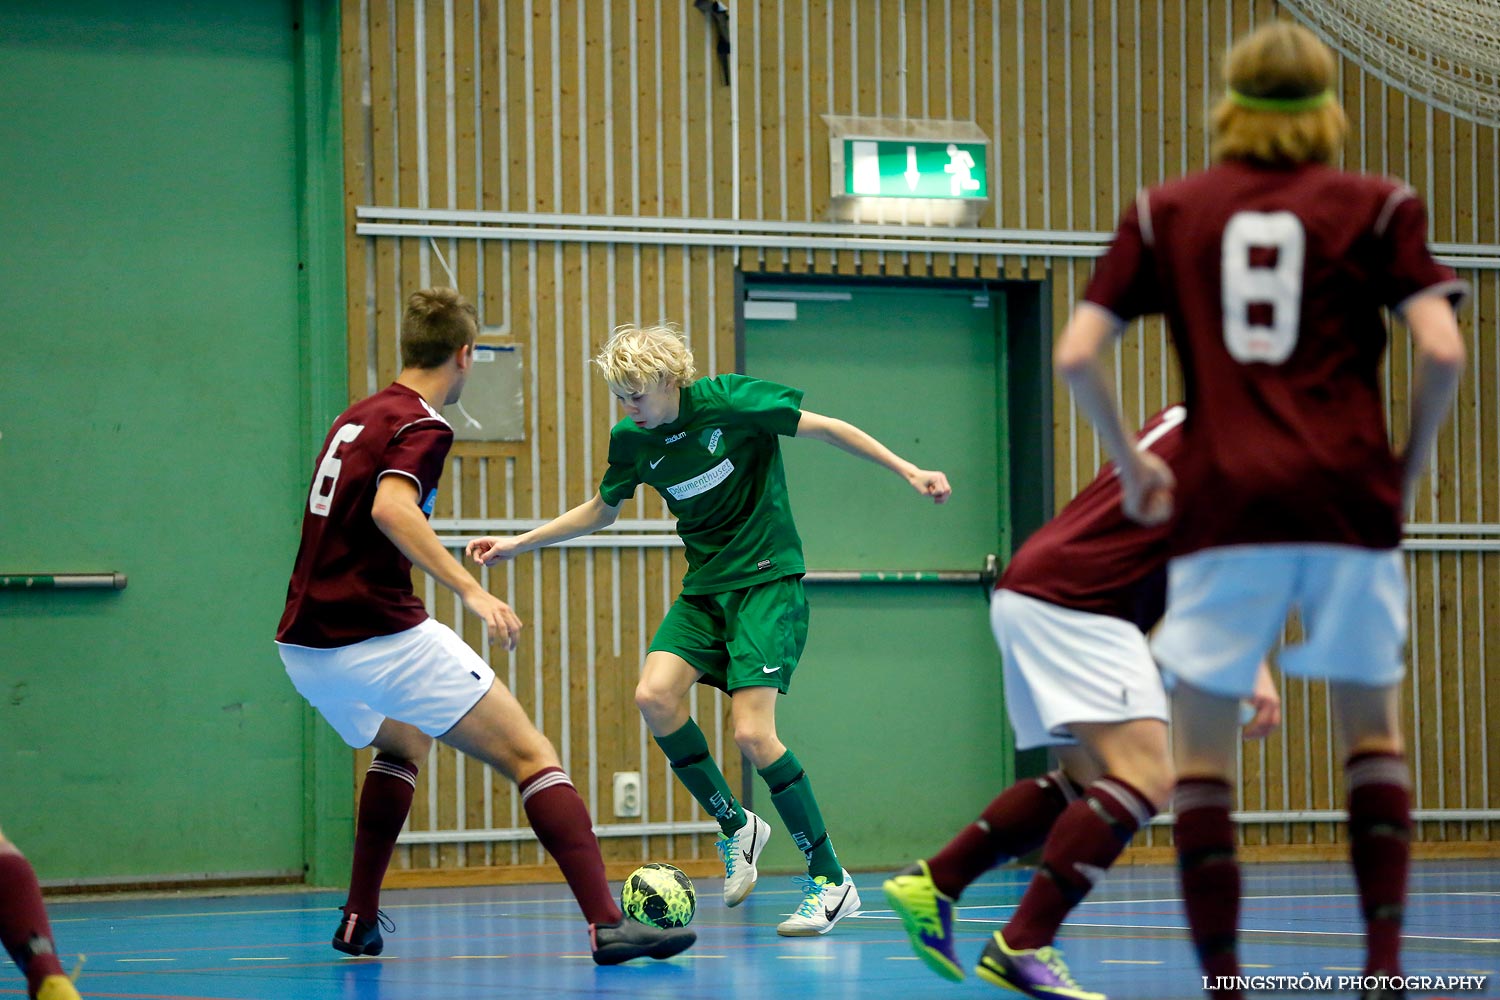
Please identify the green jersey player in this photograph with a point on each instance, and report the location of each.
(712, 449)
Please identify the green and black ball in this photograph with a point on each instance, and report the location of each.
(659, 895)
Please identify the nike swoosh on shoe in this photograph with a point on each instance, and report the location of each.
(831, 914)
(747, 854)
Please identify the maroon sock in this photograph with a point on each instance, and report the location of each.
(23, 920)
(1210, 874)
(1015, 823)
(1088, 837)
(562, 824)
(384, 802)
(1380, 848)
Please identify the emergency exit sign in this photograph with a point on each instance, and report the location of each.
(900, 168)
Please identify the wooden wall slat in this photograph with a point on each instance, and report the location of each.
(385, 184)
(408, 124)
(432, 64)
(796, 106)
(359, 185)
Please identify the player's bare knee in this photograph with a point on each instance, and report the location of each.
(1156, 784)
(1149, 774)
(756, 741)
(532, 754)
(656, 703)
(519, 749)
(1188, 773)
(1154, 776)
(1383, 743)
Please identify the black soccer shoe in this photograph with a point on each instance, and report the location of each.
(627, 939)
(356, 936)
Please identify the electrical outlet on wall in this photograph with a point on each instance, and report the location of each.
(627, 794)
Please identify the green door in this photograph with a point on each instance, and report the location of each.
(152, 424)
(897, 708)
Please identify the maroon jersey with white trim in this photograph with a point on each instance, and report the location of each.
(1091, 557)
(350, 582)
(1272, 280)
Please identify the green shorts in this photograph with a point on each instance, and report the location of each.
(740, 638)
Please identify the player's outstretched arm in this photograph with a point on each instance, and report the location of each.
(844, 435)
(1145, 480)
(586, 518)
(1440, 365)
(397, 514)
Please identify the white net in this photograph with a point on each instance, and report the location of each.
(1443, 52)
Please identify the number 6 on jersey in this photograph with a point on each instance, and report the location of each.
(320, 500)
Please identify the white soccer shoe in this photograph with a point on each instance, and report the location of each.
(823, 905)
(739, 852)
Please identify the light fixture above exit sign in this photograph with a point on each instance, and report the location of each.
(912, 168)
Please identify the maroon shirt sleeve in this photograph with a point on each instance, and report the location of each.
(1409, 268)
(418, 451)
(1126, 281)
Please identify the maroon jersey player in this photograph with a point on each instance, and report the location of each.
(350, 583)
(361, 648)
(1069, 615)
(1271, 269)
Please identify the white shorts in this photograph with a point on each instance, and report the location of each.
(1226, 608)
(1064, 666)
(426, 676)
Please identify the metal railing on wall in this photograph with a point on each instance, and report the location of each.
(535, 227)
(63, 581)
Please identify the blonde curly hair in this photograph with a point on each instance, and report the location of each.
(637, 358)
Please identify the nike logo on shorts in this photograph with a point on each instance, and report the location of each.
(771, 670)
(658, 461)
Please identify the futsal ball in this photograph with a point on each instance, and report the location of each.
(659, 895)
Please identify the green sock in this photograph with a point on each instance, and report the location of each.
(688, 752)
(792, 795)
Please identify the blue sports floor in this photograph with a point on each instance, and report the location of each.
(528, 941)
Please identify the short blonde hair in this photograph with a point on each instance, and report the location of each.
(636, 358)
(1279, 62)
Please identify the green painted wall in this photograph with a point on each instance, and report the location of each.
(155, 421)
(896, 709)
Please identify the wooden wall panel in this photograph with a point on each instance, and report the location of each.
(621, 109)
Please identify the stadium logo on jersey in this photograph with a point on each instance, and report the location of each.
(702, 484)
(430, 502)
(711, 440)
(675, 437)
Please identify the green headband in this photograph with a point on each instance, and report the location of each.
(1286, 105)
